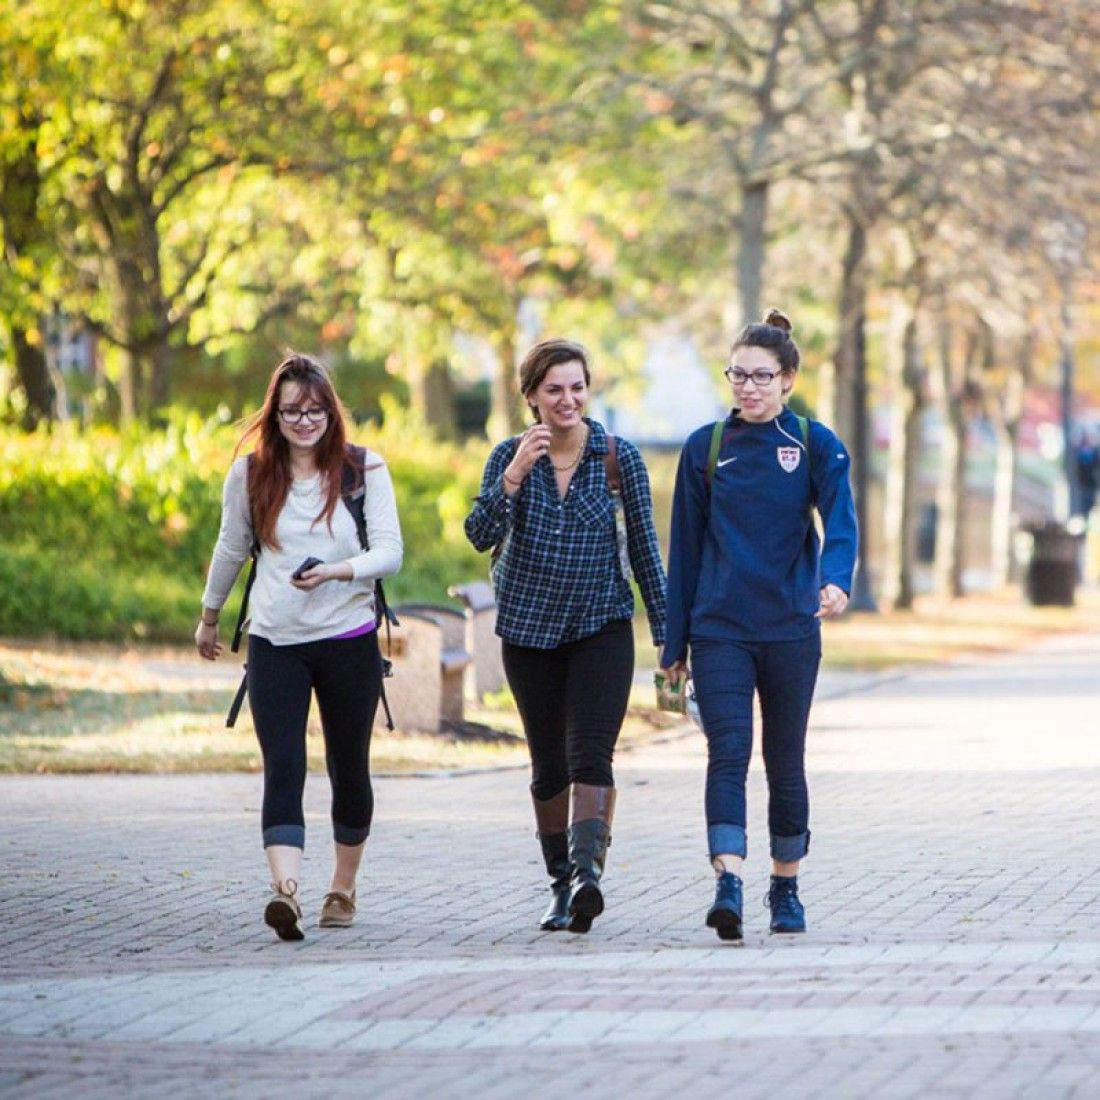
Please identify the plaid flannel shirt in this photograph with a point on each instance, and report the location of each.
(558, 577)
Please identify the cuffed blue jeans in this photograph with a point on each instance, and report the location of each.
(784, 674)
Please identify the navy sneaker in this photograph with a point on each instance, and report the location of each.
(724, 916)
(788, 915)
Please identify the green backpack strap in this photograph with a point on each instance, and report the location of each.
(804, 429)
(715, 446)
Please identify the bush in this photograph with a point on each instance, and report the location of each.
(107, 535)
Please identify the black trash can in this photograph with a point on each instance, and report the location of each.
(1051, 577)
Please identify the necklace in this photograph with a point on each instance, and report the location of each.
(577, 457)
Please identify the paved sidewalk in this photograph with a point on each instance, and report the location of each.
(953, 893)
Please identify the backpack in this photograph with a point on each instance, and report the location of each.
(353, 494)
(718, 433)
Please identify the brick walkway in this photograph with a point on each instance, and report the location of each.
(953, 891)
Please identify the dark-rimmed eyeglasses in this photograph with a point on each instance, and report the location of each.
(760, 378)
(293, 415)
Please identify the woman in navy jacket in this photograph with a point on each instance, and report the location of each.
(748, 583)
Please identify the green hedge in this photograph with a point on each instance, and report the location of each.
(107, 535)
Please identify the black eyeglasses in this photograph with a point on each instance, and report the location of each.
(293, 415)
(760, 377)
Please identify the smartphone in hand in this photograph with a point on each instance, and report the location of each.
(305, 567)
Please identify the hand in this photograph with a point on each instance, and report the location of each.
(833, 602)
(676, 672)
(533, 444)
(319, 574)
(206, 640)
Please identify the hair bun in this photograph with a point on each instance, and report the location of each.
(778, 320)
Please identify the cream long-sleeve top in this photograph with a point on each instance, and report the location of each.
(281, 613)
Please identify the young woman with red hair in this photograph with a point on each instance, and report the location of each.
(311, 630)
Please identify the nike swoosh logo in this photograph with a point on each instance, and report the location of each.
(726, 461)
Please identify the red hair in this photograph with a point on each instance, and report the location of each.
(269, 474)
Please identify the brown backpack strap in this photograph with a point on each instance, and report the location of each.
(611, 465)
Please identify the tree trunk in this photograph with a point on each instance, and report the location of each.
(160, 375)
(852, 422)
(904, 468)
(438, 400)
(948, 566)
(850, 369)
(130, 386)
(1007, 412)
(134, 326)
(34, 377)
(1004, 493)
(950, 490)
(127, 234)
(752, 236)
(23, 236)
(504, 414)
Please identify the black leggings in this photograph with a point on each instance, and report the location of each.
(347, 676)
(572, 700)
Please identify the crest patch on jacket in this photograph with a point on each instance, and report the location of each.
(789, 457)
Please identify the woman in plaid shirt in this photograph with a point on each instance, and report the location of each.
(564, 611)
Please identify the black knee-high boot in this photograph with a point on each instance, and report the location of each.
(589, 836)
(552, 820)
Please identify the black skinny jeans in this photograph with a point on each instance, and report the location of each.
(572, 700)
(347, 677)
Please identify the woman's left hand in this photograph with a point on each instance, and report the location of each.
(676, 673)
(833, 602)
(315, 577)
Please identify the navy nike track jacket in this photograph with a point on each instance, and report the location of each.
(745, 563)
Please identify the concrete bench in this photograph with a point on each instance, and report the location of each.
(429, 663)
(486, 672)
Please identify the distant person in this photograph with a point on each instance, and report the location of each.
(564, 610)
(313, 629)
(748, 586)
(1088, 473)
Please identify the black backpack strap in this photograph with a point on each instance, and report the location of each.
(353, 489)
(238, 630)
(238, 700)
(353, 492)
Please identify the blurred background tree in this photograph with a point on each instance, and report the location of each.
(418, 190)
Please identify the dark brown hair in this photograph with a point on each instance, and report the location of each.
(546, 354)
(269, 474)
(773, 333)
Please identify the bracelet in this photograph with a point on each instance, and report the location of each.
(205, 623)
(510, 481)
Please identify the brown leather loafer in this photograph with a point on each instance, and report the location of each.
(338, 910)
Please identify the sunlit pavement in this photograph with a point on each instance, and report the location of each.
(952, 889)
